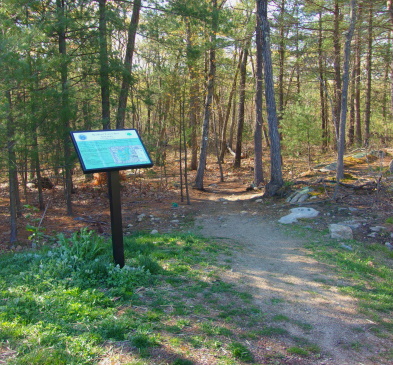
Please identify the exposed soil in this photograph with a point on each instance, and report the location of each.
(287, 282)
(268, 261)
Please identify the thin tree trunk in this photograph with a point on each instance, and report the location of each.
(194, 105)
(104, 67)
(242, 98)
(369, 65)
(228, 111)
(337, 69)
(357, 71)
(276, 180)
(281, 58)
(321, 70)
(127, 78)
(12, 171)
(65, 107)
(258, 165)
(343, 115)
(209, 100)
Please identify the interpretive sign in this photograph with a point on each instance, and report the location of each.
(108, 150)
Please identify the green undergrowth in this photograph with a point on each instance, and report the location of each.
(68, 304)
(365, 272)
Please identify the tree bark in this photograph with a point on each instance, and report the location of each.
(321, 69)
(65, 107)
(357, 71)
(337, 68)
(194, 105)
(242, 97)
(104, 66)
(127, 77)
(369, 64)
(258, 164)
(276, 180)
(209, 99)
(12, 171)
(228, 111)
(347, 54)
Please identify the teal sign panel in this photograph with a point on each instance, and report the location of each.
(107, 150)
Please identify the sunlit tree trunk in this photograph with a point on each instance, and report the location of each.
(258, 165)
(209, 99)
(127, 77)
(242, 99)
(104, 66)
(276, 180)
(321, 69)
(337, 68)
(369, 65)
(346, 73)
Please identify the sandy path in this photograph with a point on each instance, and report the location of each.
(285, 281)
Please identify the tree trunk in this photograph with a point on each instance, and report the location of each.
(343, 115)
(194, 105)
(228, 111)
(281, 59)
(127, 77)
(104, 67)
(242, 97)
(65, 107)
(12, 171)
(258, 165)
(209, 99)
(369, 64)
(321, 69)
(357, 101)
(276, 180)
(337, 69)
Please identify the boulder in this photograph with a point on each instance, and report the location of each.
(298, 213)
(340, 231)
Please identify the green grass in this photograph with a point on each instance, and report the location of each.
(68, 304)
(368, 273)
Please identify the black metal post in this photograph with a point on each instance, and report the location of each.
(116, 219)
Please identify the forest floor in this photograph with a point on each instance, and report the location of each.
(272, 264)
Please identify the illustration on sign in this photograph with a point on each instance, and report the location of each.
(110, 150)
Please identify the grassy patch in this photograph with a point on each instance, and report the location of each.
(68, 303)
(368, 273)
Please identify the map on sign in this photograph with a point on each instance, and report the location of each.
(110, 150)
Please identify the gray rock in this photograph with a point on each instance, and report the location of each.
(297, 213)
(154, 231)
(352, 224)
(330, 167)
(389, 245)
(299, 196)
(340, 231)
(377, 229)
(347, 247)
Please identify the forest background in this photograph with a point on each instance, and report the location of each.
(173, 68)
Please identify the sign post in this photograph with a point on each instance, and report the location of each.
(111, 151)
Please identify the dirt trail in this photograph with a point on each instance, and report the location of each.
(285, 281)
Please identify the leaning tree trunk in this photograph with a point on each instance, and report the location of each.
(343, 115)
(127, 78)
(209, 100)
(276, 180)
